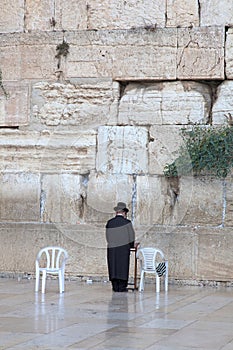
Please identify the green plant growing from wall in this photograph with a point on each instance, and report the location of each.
(62, 50)
(207, 150)
(2, 86)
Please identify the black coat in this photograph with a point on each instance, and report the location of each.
(120, 237)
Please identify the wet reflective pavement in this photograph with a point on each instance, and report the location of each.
(91, 316)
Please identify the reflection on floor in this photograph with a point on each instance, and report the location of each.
(91, 316)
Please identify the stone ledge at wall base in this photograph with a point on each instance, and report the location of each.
(70, 278)
(200, 283)
(18, 277)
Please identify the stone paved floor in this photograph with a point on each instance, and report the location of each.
(91, 316)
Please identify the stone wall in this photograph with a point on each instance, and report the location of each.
(83, 128)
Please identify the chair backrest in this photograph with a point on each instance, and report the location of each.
(148, 257)
(52, 257)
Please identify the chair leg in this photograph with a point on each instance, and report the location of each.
(166, 283)
(141, 285)
(37, 281)
(43, 281)
(61, 281)
(157, 284)
(166, 277)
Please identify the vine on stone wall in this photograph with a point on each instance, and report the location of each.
(207, 150)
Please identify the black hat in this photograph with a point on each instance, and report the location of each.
(121, 207)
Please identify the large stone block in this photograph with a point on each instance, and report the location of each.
(149, 55)
(38, 62)
(62, 198)
(79, 103)
(150, 199)
(71, 15)
(165, 103)
(20, 197)
(10, 61)
(122, 150)
(215, 256)
(48, 152)
(29, 55)
(200, 53)
(12, 16)
(106, 54)
(85, 244)
(215, 12)
(229, 53)
(183, 13)
(223, 104)
(105, 190)
(163, 147)
(14, 104)
(153, 54)
(199, 202)
(228, 219)
(125, 14)
(185, 201)
(39, 15)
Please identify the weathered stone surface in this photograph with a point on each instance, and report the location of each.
(48, 152)
(223, 104)
(199, 202)
(29, 55)
(121, 14)
(39, 15)
(215, 12)
(104, 191)
(150, 200)
(155, 60)
(62, 198)
(183, 13)
(20, 197)
(186, 201)
(71, 15)
(163, 147)
(106, 54)
(79, 103)
(165, 103)
(10, 63)
(214, 261)
(153, 54)
(38, 62)
(229, 53)
(122, 150)
(14, 104)
(200, 53)
(228, 220)
(189, 250)
(12, 16)
(16, 255)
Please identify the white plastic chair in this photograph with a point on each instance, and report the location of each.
(51, 260)
(148, 258)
